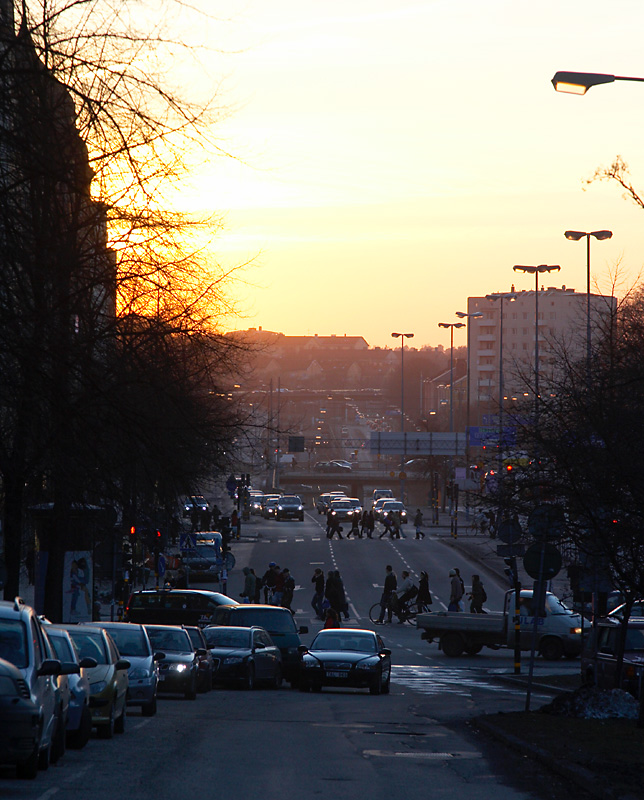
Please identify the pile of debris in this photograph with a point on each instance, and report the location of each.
(589, 702)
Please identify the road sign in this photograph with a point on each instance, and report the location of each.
(418, 444)
(187, 541)
(509, 531)
(546, 521)
(402, 476)
(510, 550)
(543, 558)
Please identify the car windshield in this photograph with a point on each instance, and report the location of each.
(273, 620)
(176, 640)
(13, 642)
(340, 505)
(218, 637)
(130, 643)
(555, 606)
(392, 505)
(357, 642)
(290, 501)
(90, 645)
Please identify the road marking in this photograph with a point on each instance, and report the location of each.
(317, 539)
(78, 773)
(299, 540)
(282, 541)
(141, 724)
(432, 756)
(48, 793)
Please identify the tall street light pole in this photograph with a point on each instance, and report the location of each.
(581, 82)
(536, 271)
(575, 236)
(468, 317)
(451, 326)
(402, 337)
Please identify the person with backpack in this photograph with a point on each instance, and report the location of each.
(406, 593)
(477, 596)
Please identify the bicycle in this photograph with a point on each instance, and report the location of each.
(405, 613)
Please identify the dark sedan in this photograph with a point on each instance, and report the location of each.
(290, 507)
(179, 668)
(352, 658)
(244, 656)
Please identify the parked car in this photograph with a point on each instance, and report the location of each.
(206, 662)
(346, 657)
(23, 643)
(599, 657)
(277, 621)
(174, 606)
(133, 643)
(108, 680)
(79, 718)
(20, 730)
(244, 656)
(289, 506)
(179, 666)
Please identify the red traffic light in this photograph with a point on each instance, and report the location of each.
(133, 530)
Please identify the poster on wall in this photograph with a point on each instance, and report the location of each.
(77, 586)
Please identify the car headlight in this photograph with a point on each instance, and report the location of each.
(98, 687)
(370, 663)
(310, 663)
(279, 508)
(300, 508)
(138, 674)
(233, 660)
(333, 513)
(178, 667)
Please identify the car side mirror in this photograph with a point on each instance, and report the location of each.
(201, 652)
(122, 663)
(88, 662)
(303, 629)
(259, 646)
(159, 656)
(50, 666)
(385, 651)
(302, 649)
(69, 668)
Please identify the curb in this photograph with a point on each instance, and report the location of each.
(579, 775)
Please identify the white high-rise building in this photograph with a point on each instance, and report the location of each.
(562, 324)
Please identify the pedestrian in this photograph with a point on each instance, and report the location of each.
(407, 591)
(461, 605)
(318, 595)
(371, 523)
(329, 520)
(418, 522)
(332, 619)
(355, 526)
(388, 593)
(335, 527)
(280, 577)
(456, 592)
(395, 525)
(342, 597)
(249, 585)
(477, 596)
(268, 581)
(234, 523)
(333, 593)
(288, 590)
(386, 523)
(216, 516)
(424, 597)
(364, 523)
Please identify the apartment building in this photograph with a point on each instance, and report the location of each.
(507, 350)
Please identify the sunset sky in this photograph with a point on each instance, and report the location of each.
(396, 157)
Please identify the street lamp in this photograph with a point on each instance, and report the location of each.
(581, 82)
(511, 296)
(575, 236)
(402, 337)
(537, 271)
(451, 326)
(468, 317)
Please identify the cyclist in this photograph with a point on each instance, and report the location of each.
(406, 592)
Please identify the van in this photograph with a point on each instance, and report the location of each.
(378, 493)
(174, 606)
(277, 621)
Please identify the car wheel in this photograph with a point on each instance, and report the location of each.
(191, 693)
(249, 678)
(76, 740)
(472, 650)
(27, 770)
(44, 758)
(58, 742)
(376, 686)
(385, 689)
(106, 731)
(119, 724)
(149, 709)
(305, 686)
(551, 649)
(452, 645)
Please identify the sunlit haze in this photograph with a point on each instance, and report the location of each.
(395, 158)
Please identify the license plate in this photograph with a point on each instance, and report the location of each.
(337, 674)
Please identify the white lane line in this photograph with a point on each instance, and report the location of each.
(141, 724)
(316, 539)
(299, 540)
(282, 541)
(49, 793)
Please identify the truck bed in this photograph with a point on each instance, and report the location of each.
(441, 621)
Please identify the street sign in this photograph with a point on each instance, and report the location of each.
(402, 476)
(509, 531)
(543, 558)
(510, 550)
(421, 444)
(546, 521)
(187, 541)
